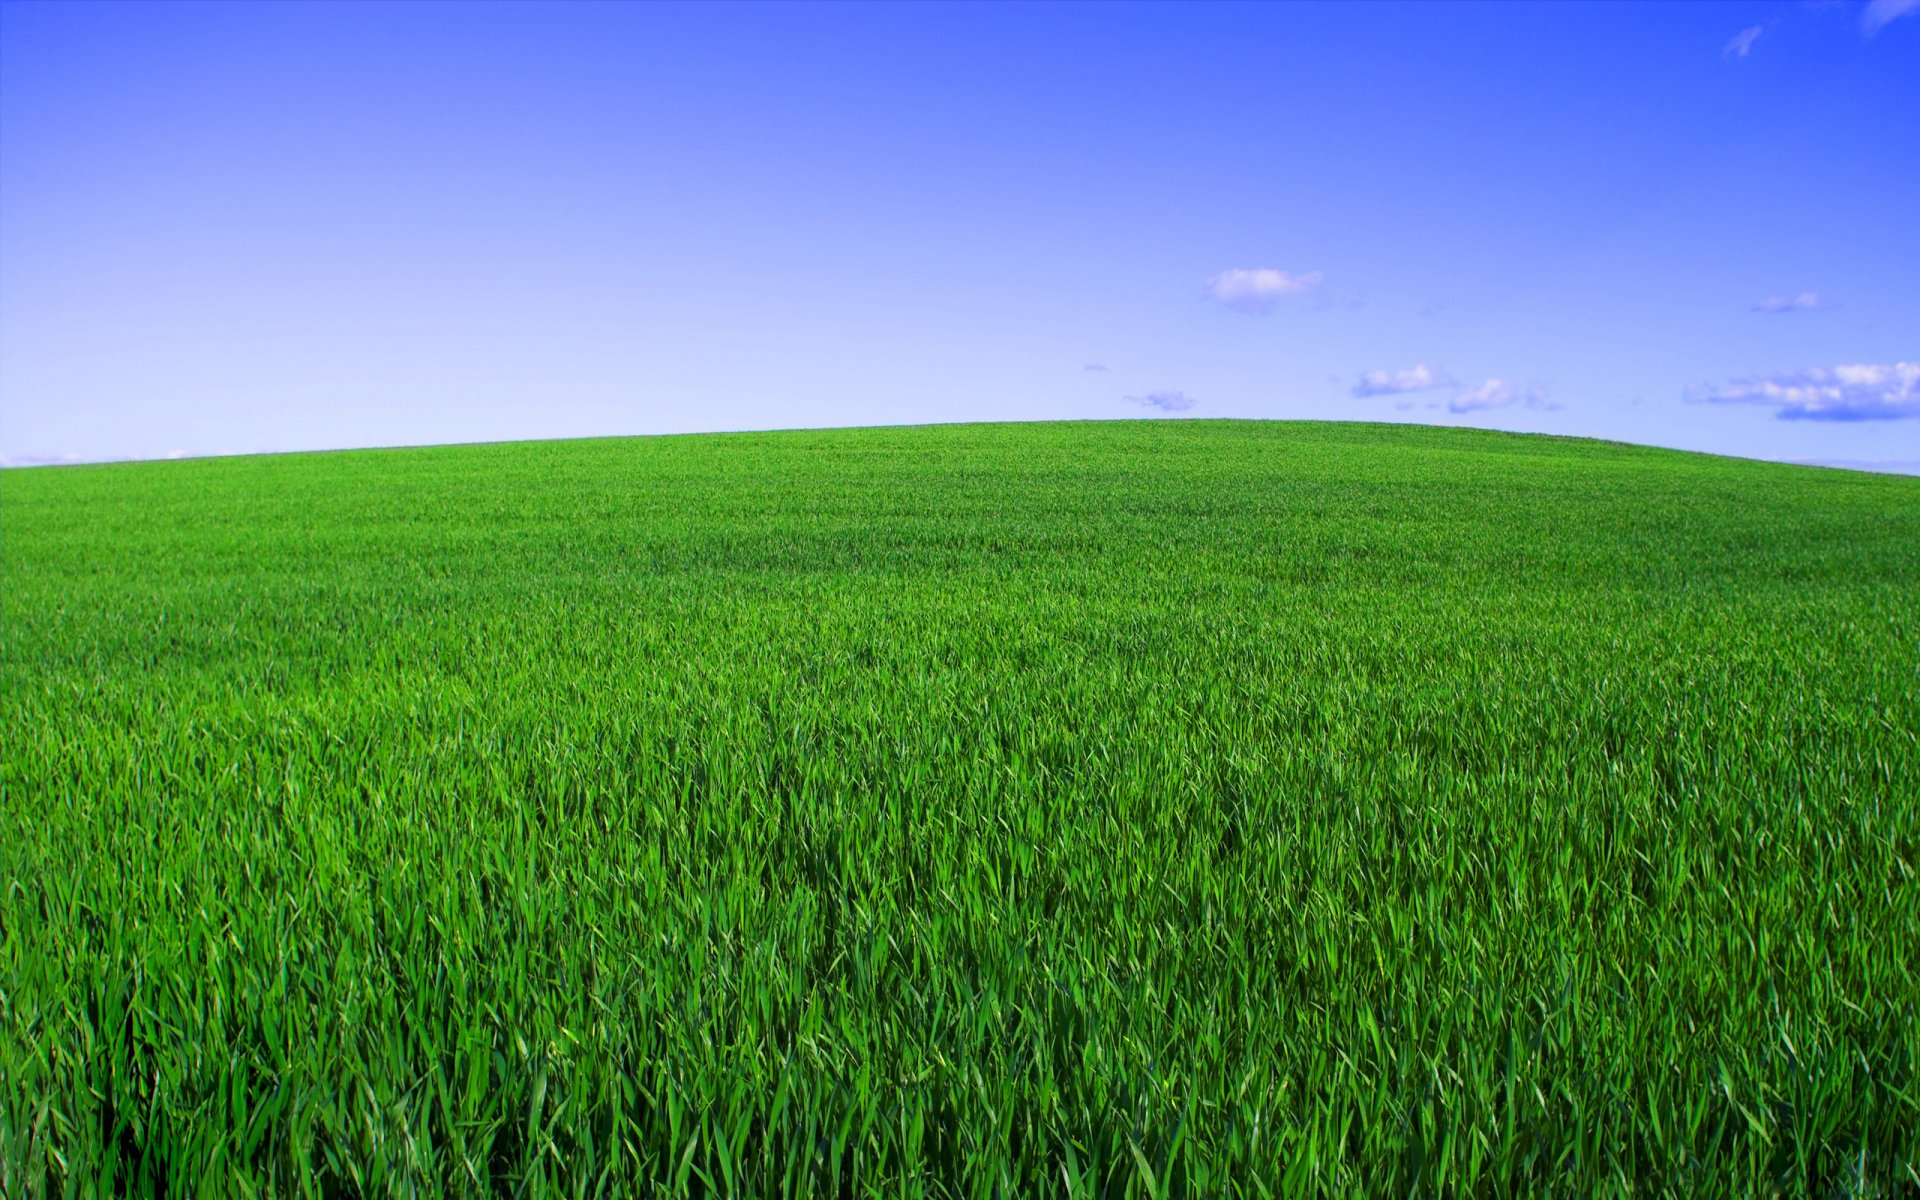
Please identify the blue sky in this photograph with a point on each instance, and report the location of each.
(236, 228)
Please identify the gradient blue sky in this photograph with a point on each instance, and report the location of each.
(243, 227)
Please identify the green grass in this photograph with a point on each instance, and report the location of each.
(1196, 808)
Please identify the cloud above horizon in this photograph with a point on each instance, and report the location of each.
(1743, 41)
(1254, 289)
(1850, 392)
(37, 460)
(1496, 393)
(1804, 302)
(1418, 378)
(1099, 367)
(1165, 401)
(1879, 12)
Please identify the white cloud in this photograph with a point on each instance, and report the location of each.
(1850, 392)
(37, 460)
(1743, 41)
(1254, 289)
(1166, 401)
(1879, 12)
(1804, 302)
(1496, 393)
(1417, 378)
(1100, 367)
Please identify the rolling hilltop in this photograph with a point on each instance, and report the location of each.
(1183, 808)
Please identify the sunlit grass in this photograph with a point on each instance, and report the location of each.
(1101, 809)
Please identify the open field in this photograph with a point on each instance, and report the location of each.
(1186, 808)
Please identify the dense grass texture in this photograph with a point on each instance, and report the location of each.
(1099, 809)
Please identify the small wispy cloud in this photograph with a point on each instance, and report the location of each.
(1100, 367)
(1496, 393)
(1417, 378)
(1165, 401)
(1743, 41)
(38, 460)
(1254, 289)
(1879, 12)
(1850, 392)
(1804, 302)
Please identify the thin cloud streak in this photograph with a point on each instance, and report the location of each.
(1417, 378)
(1804, 302)
(38, 460)
(1849, 392)
(1743, 42)
(1880, 12)
(1496, 393)
(1165, 401)
(1255, 289)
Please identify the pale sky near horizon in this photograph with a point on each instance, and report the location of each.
(233, 228)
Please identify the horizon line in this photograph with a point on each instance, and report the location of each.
(1896, 467)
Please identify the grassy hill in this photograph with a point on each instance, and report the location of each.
(1196, 808)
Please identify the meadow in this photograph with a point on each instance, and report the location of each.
(1103, 809)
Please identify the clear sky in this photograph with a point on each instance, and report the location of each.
(244, 227)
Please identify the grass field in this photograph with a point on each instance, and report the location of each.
(1183, 808)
